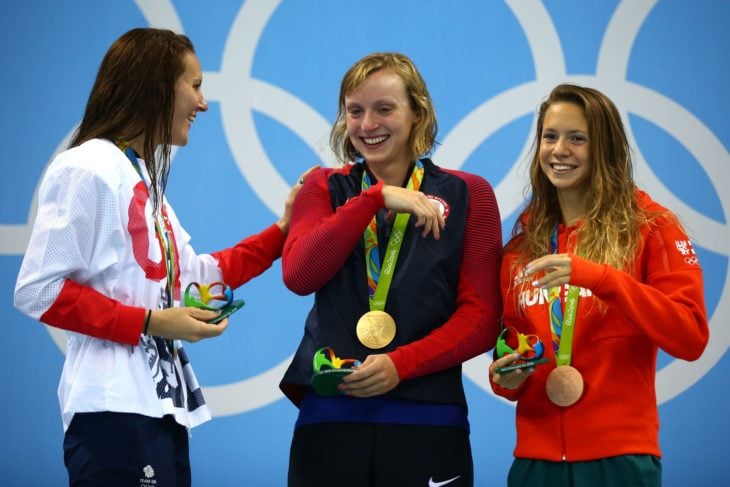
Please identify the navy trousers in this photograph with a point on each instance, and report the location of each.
(121, 449)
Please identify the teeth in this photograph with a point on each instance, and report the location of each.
(562, 167)
(191, 119)
(374, 140)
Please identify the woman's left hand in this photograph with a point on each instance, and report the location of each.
(283, 222)
(557, 269)
(375, 376)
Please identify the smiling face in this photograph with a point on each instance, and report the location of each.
(565, 150)
(189, 99)
(380, 120)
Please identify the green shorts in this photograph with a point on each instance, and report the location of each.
(624, 470)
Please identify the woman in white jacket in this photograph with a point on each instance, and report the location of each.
(107, 260)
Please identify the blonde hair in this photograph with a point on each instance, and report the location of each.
(423, 135)
(611, 231)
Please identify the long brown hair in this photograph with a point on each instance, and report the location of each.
(134, 95)
(423, 135)
(610, 233)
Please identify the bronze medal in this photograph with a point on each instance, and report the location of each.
(375, 329)
(564, 385)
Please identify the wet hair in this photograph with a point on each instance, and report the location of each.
(134, 95)
(611, 231)
(423, 135)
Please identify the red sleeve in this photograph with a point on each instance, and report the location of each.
(669, 306)
(250, 257)
(474, 326)
(84, 310)
(323, 235)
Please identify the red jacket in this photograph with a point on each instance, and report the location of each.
(614, 346)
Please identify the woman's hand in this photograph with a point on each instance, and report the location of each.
(428, 214)
(375, 376)
(512, 379)
(556, 268)
(187, 324)
(283, 222)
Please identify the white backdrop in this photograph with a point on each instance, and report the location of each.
(271, 75)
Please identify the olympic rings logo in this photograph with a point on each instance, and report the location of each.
(396, 236)
(240, 94)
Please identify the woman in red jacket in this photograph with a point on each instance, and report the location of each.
(604, 277)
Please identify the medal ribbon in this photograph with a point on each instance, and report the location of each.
(163, 236)
(379, 279)
(562, 327)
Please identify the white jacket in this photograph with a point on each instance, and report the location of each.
(94, 215)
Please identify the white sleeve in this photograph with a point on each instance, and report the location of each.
(75, 234)
(201, 268)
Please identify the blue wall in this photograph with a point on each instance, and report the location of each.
(272, 72)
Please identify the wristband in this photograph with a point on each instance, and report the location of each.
(147, 322)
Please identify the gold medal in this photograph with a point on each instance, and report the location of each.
(564, 385)
(375, 329)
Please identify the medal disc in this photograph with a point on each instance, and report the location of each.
(375, 329)
(564, 385)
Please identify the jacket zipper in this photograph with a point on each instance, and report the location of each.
(562, 435)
